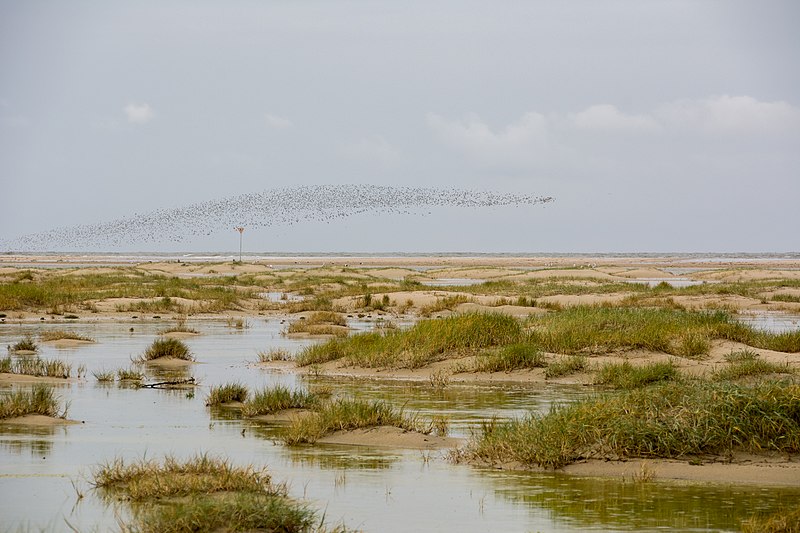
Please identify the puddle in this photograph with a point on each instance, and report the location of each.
(673, 282)
(368, 489)
(772, 321)
(452, 282)
(277, 296)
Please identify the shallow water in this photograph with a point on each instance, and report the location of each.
(366, 488)
(452, 282)
(772, 321)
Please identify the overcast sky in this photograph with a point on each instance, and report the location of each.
(656, 125)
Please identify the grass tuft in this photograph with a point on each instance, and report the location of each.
(230, 392)
(626, 376)
(167, 348)
(25, 345)
(511, 357)
(747, 363)
(566, 366)
(279, 398)
(274, 354)
(51, 368)
(60, 334)
(784, 521)
(320, 323)
(38, 400)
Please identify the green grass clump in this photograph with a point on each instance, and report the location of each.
(566, 366)
(447, 303)
(665, 420)
(60, 334)
(35, 366)
(511, 357)
(38, 400)
(239, 512)
(747, 363)
(25, 345)
(600, 329)
(347, 414)
(202, 474)
(279, 398)
(784, 521)
(167, 348)
(426, 342)
(130, 375)
(274, 354)
(626, 376)
(790, 298)
(230, 392)
(320, 323)
(104, 376)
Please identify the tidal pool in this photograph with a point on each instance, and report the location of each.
(44, 470)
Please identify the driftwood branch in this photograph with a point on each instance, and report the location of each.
(188, 381)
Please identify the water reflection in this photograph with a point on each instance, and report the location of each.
(34, 439)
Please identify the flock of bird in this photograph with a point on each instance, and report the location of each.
(273, 207)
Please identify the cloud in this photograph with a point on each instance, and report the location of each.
(606, 117)
(519, 141)
(730, 115)
(139, 113)
(277, 122)
(370, 149)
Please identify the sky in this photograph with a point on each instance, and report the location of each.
(657, 126)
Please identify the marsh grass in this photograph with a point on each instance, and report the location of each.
(448, 303)
(238, 512)
(104, 376)
(279, 398)
(627, 376)
(274, 354)
(747, 363)
(179, 327)
(664, 420)
(38, 400)
(60, 334)
(167, 348)
(230, 392)
(320, 323)
(601, 329)
(130, 376)
(426, 342)
(511, 357)
(347, 414)
(202, 474)
(565, 366)
(25, 345)
(36, 366)
(789, 298)
(786, 520)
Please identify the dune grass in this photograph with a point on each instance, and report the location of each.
(664, 420)
(746, 364)
(280, 398)
(167, 348)
(230, 392)
(38, 400)
(600, 329)
(566, 366)
(510, 357)
(36, 366)
(320, 323)
(627, 376)
(60, 334)
(347, 414)
(426, 342)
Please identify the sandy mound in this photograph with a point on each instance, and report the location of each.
(287, 415)
(180, 334)
(389, 437)
(38, 421)
(67, 343)
(584, 299)
(644, 273)
(169, 362)
(22, 378)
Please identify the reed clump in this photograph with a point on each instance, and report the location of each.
(36, 366)
(627, 376)
(274, 354)
(25, 345)
(167, 349)
(346, 414)
(130, 376)
(280, 398)
(38, 400)
(228, 393)
(424, 343)
(664, 420)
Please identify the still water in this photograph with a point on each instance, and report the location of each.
(42, 470)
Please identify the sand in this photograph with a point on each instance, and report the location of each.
(37, 421)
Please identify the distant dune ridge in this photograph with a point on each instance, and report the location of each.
(272, 207)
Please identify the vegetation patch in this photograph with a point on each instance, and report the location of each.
(228, 393)
(274, 354)
(784, 521)
(347, 414)
(38, 400)
(179, 327)
(320, 323)
(747, 363)
(627, 376)
(511, 357)
(60, 334)
(664, 420)
(167, 349)
(566, 366)
(279, 398)
(35, 366)
(426, 342)
(25, 345)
